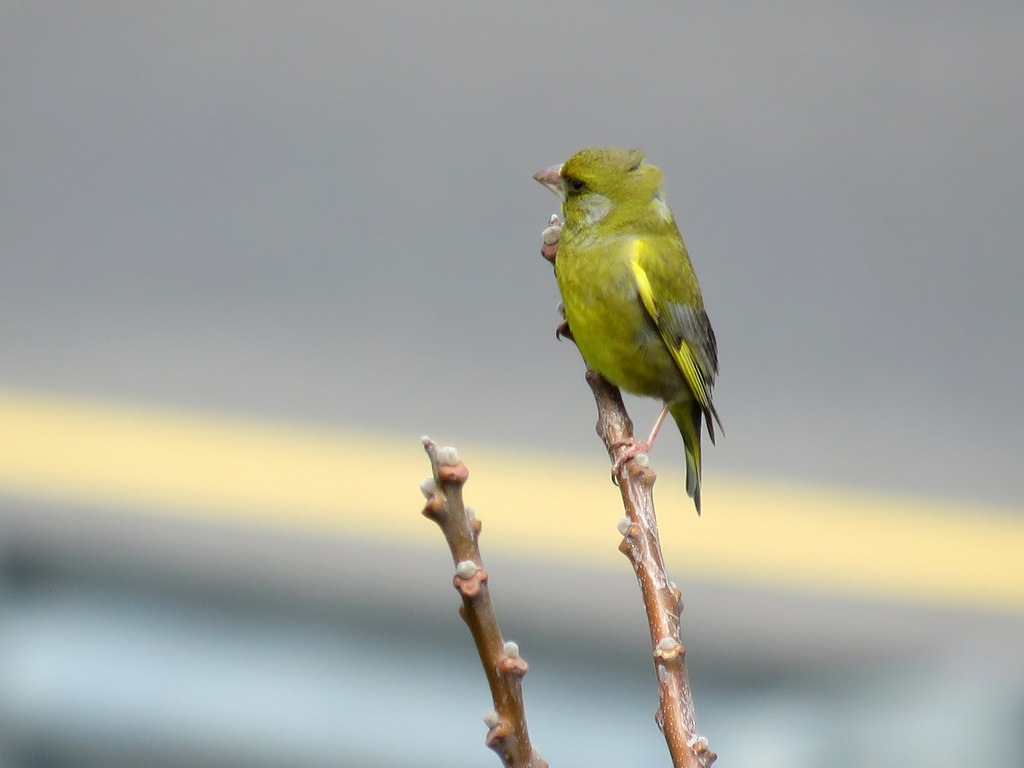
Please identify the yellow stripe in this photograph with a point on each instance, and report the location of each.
(141, 459)
(752, 532)
(682, 355)
(642, 283)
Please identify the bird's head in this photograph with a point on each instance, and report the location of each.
(599, 184)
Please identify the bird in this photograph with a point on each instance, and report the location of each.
(630, 295)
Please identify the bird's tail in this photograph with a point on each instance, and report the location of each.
(687, 415)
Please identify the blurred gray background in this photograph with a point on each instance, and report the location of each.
(323, 212)
(293, 208)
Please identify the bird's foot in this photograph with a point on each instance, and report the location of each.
(562, 331)
(627, 450)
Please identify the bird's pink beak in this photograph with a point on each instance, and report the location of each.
(552, 179)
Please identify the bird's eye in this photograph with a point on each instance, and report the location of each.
(575, 185)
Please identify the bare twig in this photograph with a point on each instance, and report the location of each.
(504, 667)
(662, 599)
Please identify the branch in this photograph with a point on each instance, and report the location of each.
(504, 667)
(662, 599)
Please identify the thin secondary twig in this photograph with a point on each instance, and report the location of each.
(504, 667)
(662, 599)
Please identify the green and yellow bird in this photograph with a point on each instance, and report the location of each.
(631, 297)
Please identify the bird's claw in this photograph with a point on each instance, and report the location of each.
(626, 451)
(562, 331)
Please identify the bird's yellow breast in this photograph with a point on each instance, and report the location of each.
(613, 331)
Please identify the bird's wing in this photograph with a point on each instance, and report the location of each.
(684, 328)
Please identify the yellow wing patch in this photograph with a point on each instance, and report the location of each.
(678, 348)
(643, 284)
